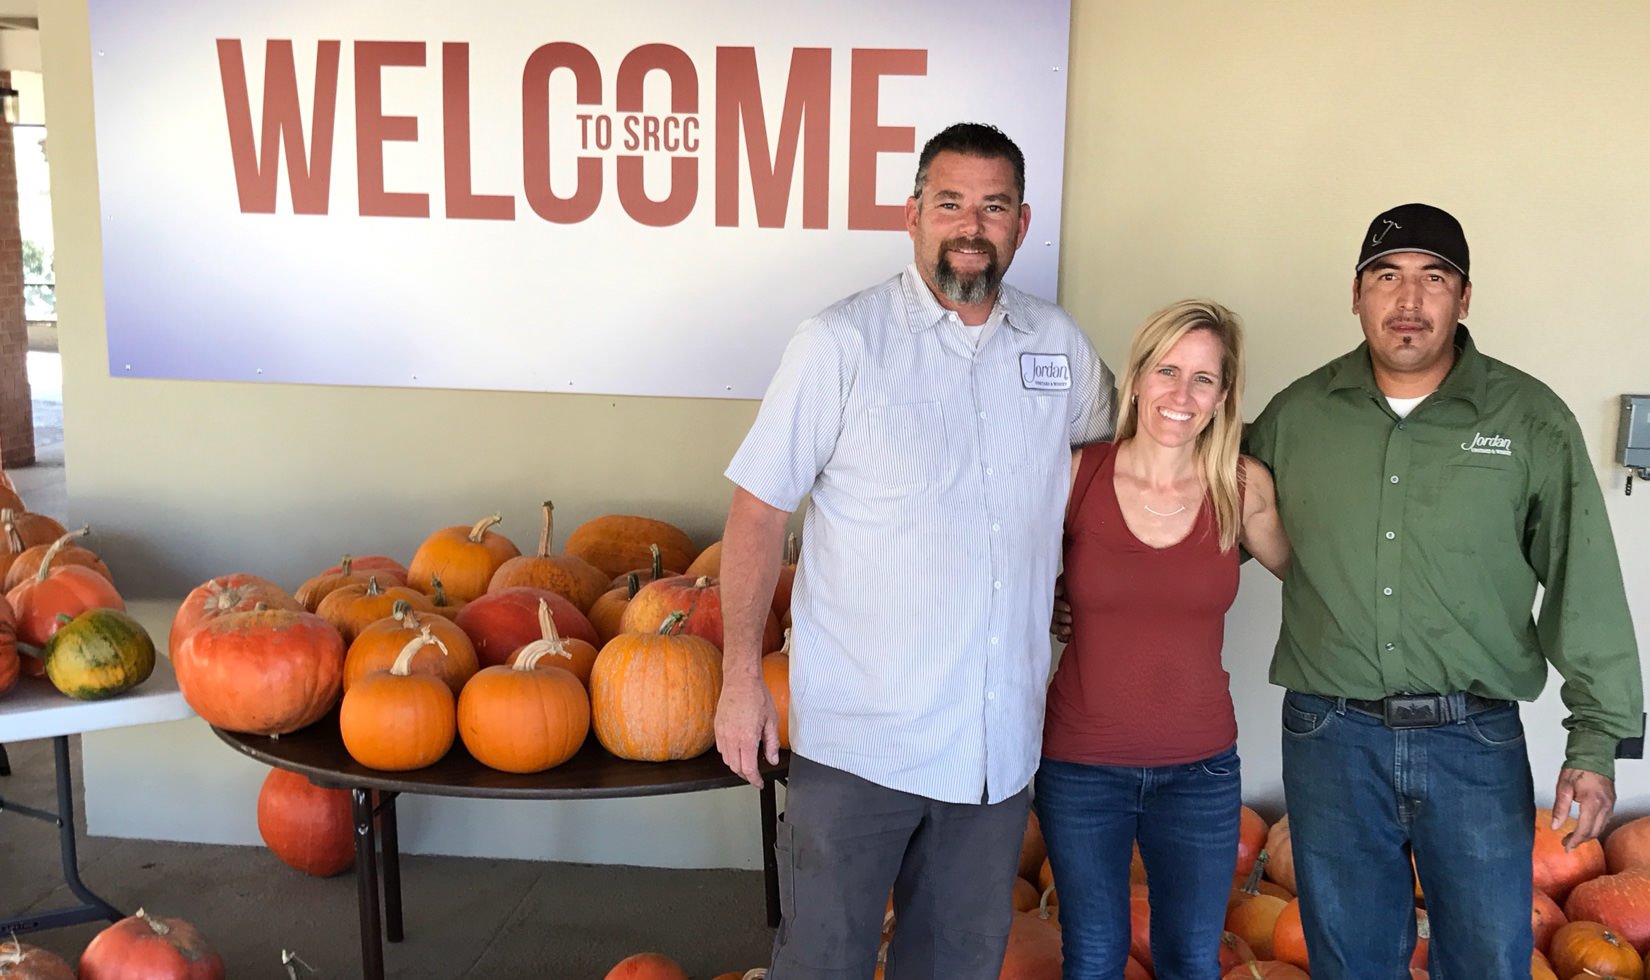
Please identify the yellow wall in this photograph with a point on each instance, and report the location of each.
(1230, 150)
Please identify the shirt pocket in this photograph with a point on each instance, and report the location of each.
(1046, 431)
(1479, 504)
(907, 443)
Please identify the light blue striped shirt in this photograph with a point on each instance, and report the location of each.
(938, 476)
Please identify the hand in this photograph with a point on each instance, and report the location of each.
(1597, 796)
(1060, 626)
(746, 720)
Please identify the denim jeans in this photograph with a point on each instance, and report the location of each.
(1185, 818)
(1363, 797)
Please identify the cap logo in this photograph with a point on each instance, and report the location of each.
(1375, 239)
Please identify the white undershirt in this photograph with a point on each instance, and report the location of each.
(1403, 406)
(979, 334)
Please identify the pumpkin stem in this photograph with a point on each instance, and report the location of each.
(347, 562)
(402, 612)
(548, 645)
(51, 554)
(1042, 904)
(439, 590)
(757, 974)
(372, 586)
(1251, 884)
(289, 957)
(658, 563)
(547, 529)
(702, 582)
(260, 606)
(14, 540)
(672, 622)
(403, 660)
(790, 548)
(785, 648)
(160, 927)
(632, 584)
(480, 530)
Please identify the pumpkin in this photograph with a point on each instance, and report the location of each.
(11, 546)
(1280, 862)
(98, 654)
(316, 588)
(377, 646)
(1620, 901)
(1024, 895)
(1140, 925)
(1288, 938)
(1557, 870)
(500, 623)
(1233, 951)
(465, 559)
(9, 500)
(646, 966)
(528, 717)
(352, 608)
(1266, 970)
(1628, 846)
(32, 529)
(67, 590)
(1423, 940)
(608, 611)
(709, 562)
(701, 600)
(776, 674)
(580, 582)
(1591, 946)
(11, 665)
(1048, 905)
(264, 672)
(27, 564)
(653, 695)
(1254, 919)
(142, 945)
(384, 567)
(397, 720)
(618, 543)
(1540, 969)
(19, 961)
(309, 828)
(1251, 839)
(240, 592)
(1033, 951)
(1546, 918)
(570, 654)
(444, 605)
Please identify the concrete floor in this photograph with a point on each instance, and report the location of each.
(464, 917)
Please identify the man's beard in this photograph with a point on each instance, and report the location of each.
(973, 289)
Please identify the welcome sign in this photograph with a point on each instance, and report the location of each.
(639, 197)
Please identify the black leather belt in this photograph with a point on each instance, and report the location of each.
(1424, 710)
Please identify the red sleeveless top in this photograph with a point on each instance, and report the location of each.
(1140, 683)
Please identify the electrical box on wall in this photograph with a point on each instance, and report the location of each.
(1633, 439)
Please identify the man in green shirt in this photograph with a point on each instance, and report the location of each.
(1427, 490)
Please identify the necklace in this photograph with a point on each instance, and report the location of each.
(1159, 513)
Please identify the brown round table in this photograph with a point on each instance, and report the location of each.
(318, 752)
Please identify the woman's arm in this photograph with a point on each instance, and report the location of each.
(1263, 534)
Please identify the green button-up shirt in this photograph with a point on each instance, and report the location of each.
(1418, 543)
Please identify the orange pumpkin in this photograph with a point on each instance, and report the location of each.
(699, 598)
(384, 567)
(1140, 925)
(1620, 901)
(618, 543)
(27, 564)
(395, 719)
(1628, 846)
(500, 623)
(265, 672)
(19, 961)
(709, 562)
(528, 717)
(11, 545)
(571, 654)
(1540, 969)
(1033, 951)
(1546, 918)
(607, 612)
(310, 594)
(214, 598)
(377, 646)
(142, 945)
(567, 575)
(653, 695)
(1266, 970)
(776, 674)
(58, 591)
(352, 608)
(1288, 938)
(444, 605)
(1025, 897)
(32, 529)
(1557, 870)
(646, 966)
(307, 827)
(11, 664)
(1280, 861)
(465, 558)
(1253, 919)
(1033, 850)
(9, 500)
(1581, 946)
(1251, 839)
(1233, 951)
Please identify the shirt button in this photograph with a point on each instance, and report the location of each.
(1394, 479)
(1390, 535)
(989, 471)
(996, 527)
(1390, 646)
(1387, 591)
(993, 641)
(1403, 425)
(991, 695)
(996, 585)
(982, 415)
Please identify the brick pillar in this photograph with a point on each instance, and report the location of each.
(16, 413)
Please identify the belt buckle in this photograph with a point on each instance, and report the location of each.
(1414, 711)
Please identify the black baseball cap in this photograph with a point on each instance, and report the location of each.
(1415, 228)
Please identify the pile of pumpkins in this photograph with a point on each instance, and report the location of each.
(140, 945)
(518, 656)
(61, 616)
(1590, 911)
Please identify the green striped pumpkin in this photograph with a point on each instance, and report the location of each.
(98, 654)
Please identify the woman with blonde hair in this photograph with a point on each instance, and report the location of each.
(1140, 739)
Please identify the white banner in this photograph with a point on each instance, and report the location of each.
(637, 197)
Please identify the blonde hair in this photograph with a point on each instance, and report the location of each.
(1217, 444)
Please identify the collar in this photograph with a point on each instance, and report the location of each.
(924, 309)
(1467, 379)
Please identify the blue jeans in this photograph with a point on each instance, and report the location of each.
(1363, 797)
(1186, 820)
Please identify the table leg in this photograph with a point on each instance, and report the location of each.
(366, 885)
(5, 762)
(391, 844)
(91, 907)
(770, 863)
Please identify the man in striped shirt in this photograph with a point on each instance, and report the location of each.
(929, 420)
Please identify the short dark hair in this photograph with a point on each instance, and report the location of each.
(975, 140)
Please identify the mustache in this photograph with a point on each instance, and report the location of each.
(975, 244)
(1401, 318)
